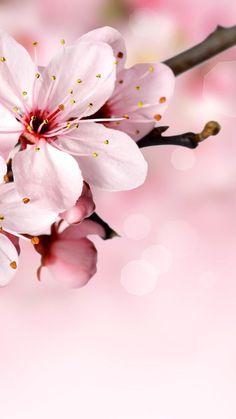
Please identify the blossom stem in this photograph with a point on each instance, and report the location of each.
(188, 139)
(218, 41)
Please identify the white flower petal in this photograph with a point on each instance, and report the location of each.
(44, 173)
(80, 77)
(8, 260)
(108, 159)
(21, 215)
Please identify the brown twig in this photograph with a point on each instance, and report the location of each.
(218, 41)
(188, 139)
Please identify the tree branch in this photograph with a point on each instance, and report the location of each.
(188, 139)
(218, 41)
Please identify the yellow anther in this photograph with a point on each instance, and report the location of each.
(137, 132)
(53, 77)
(162, 99)
(71, 91)
(2, 217)
(68, 125)
(15, 109)
(157, 117)
(137, 87)
(37, 75)
(117, 122)
(106, 142)
(45, 121)
(2, 59)
(35, 43)
(120, 54)
(94, 154)
(6, 178)
(151, 69)
(98, 75)
(24, 93)
(126, 116)
(62, 41)
(90, 105)
(76, 125)
(61, 107)
(29, 128)
(37, 149)
(121, 81)
(116, 62)
(78, 81)
(33, 118)
(72, 101)
(35, 240)
(13, 264)
(140, 104)
(25, 200)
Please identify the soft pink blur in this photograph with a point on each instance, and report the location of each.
(152, 335)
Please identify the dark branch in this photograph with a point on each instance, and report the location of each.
(218, 41)
(188, 139)
(109, 232)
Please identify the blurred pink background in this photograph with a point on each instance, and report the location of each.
(153, 334)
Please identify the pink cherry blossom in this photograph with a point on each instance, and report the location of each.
(18, 215)
(83, 208)
(48, 107)
(142, 92)
(69, 255)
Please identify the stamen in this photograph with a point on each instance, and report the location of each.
(94, 154)
(140, 104)
(98, 75)
(162, 99)
(120, 54)
(79, 81)
(157, 117)
(62, 41)
(13, 264)
(106, 142)
(25, 200)
(2, 59)
(24, 93)
(35, 240)
(2, 217)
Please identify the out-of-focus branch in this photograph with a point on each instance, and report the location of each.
(218, 41)
(188, 139)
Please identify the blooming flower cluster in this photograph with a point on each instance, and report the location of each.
(64, 127)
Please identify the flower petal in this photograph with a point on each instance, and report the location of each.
(86, 228)
(142, 93)
(44, 173)
(72, 261)
(83, 208)
(19, 215)
(108, 159)
(8, 260)
(8, 123)
(112, 37)
(80, 77)
(3, 169)
(17, 72)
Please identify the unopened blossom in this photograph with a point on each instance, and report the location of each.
(142, 92)
(83, 208)
(69, 255)
(47, 109)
